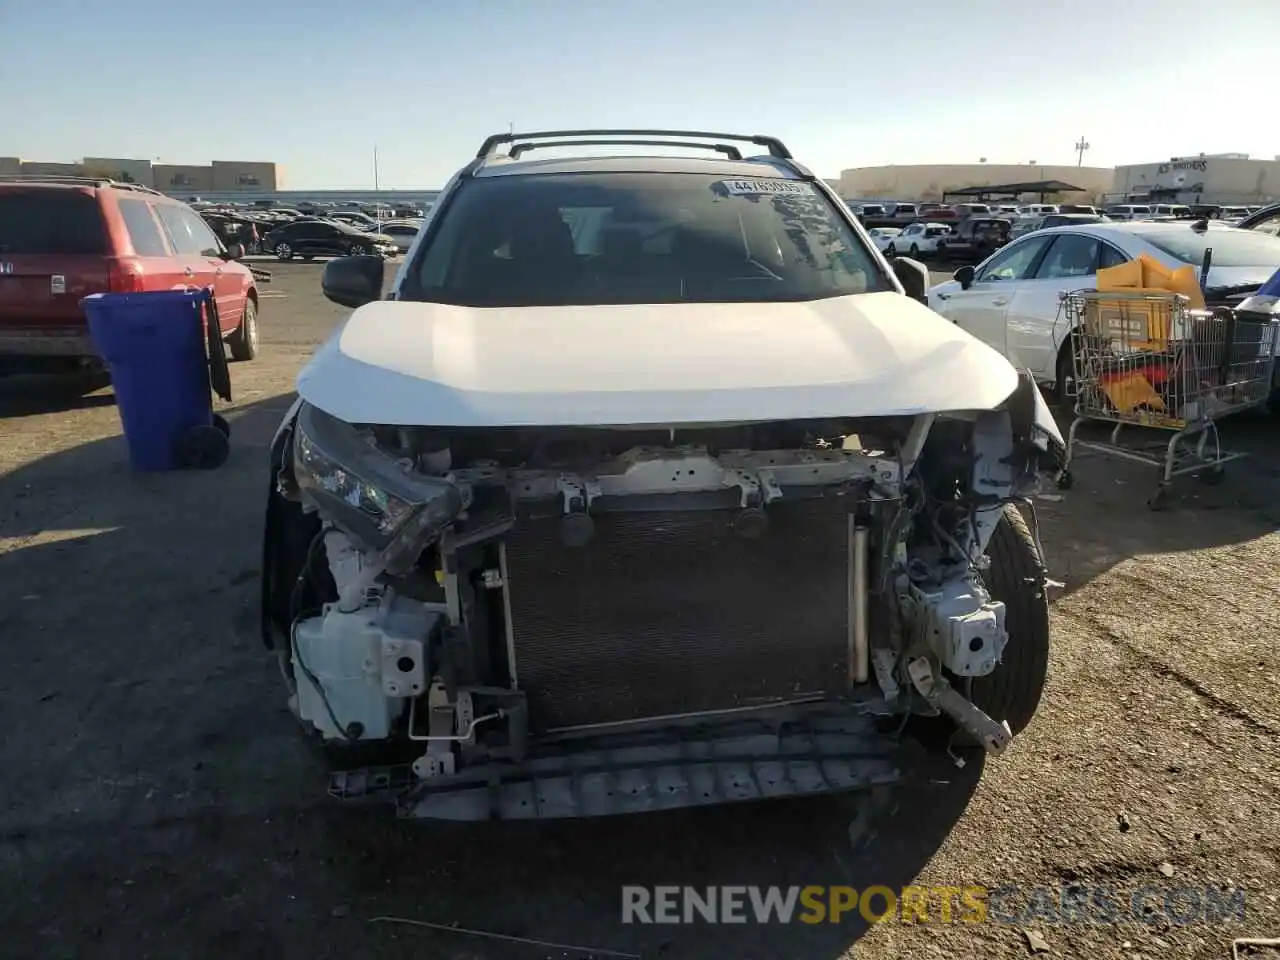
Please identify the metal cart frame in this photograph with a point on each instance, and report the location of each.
(1147, 360)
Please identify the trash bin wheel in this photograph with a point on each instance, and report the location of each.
(204, 448)
(220, 422)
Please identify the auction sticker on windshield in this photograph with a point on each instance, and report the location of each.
(787, 187)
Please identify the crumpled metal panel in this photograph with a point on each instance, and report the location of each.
(673, 612)
(813, 750)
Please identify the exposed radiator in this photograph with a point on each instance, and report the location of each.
(672, 612)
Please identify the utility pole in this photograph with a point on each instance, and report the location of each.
(1081, 146)
(378, 209)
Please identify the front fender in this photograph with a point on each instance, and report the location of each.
(1036, 433)
(286, 538)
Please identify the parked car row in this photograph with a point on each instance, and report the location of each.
(376, 210)
(970, 239)
(336, 233)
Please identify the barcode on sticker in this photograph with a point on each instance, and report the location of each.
(788, 187)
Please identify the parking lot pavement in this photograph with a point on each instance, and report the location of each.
(157, 800)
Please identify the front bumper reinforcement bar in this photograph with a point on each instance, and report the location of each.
(778, 753)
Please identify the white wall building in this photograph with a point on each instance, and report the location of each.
(1206, 178)
(929, 181)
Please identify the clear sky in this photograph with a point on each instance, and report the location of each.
(314, 84)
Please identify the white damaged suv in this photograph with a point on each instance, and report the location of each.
(650, 484)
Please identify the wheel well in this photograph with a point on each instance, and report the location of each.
(1064, 351)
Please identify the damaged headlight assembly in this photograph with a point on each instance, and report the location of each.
(379, 501)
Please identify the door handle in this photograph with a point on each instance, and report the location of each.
(1000, 302)
(188, 272)
(944, 296)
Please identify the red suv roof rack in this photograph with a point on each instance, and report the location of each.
(75, 181)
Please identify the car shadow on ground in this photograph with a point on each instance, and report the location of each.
(1104, 518)
(23, 395)
(158, 798)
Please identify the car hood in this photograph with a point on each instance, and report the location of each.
(879, 354)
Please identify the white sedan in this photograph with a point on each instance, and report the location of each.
(1013, 299)
(883, 237)
(918, 239)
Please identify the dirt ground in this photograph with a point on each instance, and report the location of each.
(157, 801)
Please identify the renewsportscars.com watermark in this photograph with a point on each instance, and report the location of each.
(918, 904)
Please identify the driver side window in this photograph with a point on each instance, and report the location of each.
(1014, 262)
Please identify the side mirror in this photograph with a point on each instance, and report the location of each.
(234, 251)
(914, 277)
(964, 276)
(353, 281)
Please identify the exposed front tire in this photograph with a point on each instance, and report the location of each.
(284, 251)
(915, 250)
(1016, 578)
(357, 250)
(244, 342)
(891, 251)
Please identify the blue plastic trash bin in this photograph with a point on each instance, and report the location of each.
(154, 346)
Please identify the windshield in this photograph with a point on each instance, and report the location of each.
(1231, 248)
(593, 238)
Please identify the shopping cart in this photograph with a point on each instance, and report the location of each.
(1147, 360)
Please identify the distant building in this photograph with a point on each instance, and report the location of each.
(181, 178)
(931, 181)
(224, 176)
(126, 171)
(1206, 178)
(232, 175)
(39, 168)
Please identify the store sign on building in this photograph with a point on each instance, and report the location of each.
(1200, 166)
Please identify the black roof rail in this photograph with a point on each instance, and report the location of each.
(775, 146)
(71, 181)
(730, 151)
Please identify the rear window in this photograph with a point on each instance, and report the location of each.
(592, 238)
(65, 222)
(1231, 248)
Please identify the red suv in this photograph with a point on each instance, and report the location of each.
(64, 238)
